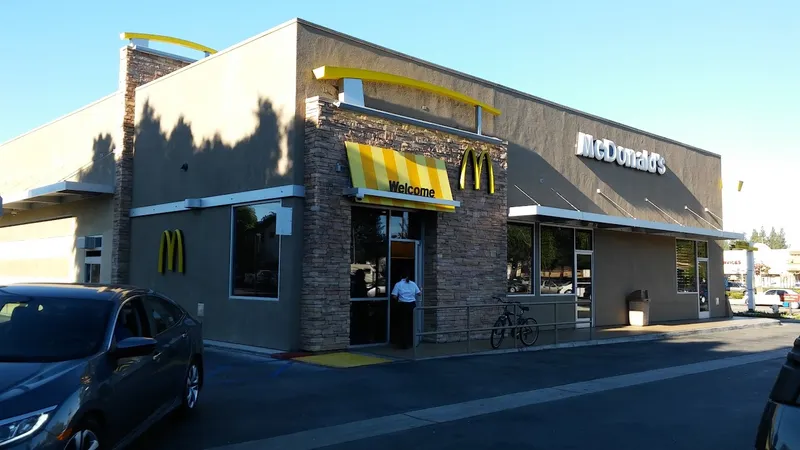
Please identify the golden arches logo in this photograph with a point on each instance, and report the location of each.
(171, 246)
(477, 168)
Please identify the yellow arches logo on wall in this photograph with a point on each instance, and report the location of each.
(477, 167)
(171, 246)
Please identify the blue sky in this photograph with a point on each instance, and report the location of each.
(721, 75)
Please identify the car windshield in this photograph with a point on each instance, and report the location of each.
(38, 329)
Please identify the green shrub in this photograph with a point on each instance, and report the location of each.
(735, 295)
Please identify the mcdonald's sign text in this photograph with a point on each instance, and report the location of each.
(477, 168)
(171, 249)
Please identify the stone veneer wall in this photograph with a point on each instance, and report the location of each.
(137, 67)
(465, 251)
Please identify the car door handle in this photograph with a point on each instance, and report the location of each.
(157, 357)
(184, 334)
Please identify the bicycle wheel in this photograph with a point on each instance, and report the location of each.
(529, 331)
(498, 334)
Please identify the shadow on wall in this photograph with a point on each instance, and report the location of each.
(100, 170)
(534, 175)
(170, 167)
(667, 191)
(538, 178)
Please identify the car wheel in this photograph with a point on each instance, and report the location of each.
(191, 393)
(84, 438)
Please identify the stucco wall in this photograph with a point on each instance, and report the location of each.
(75, 147)
(207, 240)
(628, 261)
(542, 136)
(230, 118)
(67, 221)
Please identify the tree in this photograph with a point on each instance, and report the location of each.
(520, 248)
(520, 244)
(758, 237)
(777, 239)
(774, 239)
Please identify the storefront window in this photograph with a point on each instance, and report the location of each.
(520, 255)
(583, 240)
(92, 273)
(256, 251)
(557, 256)
(686, 265)
(368, 253)
(405, 225)
(702, 249)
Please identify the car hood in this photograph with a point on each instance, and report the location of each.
(26, 387)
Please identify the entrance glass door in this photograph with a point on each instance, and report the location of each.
(369, 267)
(702, 292)
(583, 288)
(405, 260)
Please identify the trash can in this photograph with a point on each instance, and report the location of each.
(639, 308)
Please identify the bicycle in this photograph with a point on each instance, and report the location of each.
(525, 328)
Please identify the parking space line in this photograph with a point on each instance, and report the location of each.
(281, 369)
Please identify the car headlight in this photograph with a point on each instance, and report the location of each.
(20, 427)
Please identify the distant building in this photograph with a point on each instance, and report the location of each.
(780, 267)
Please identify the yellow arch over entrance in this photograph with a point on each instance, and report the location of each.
(338, 73)
(168, 40)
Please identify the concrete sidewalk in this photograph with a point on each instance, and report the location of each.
(581, 337)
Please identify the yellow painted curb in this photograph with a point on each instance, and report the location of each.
(342, 360)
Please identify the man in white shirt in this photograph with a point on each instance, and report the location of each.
(405, 293)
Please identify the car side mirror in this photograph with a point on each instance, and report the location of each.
(133, 347)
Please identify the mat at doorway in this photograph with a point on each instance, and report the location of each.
(342, 360)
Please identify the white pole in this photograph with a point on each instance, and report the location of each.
(751, 299)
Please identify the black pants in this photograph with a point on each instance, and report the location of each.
(404, 324)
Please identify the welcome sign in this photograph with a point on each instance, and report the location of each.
(607, 151)
(406, 176)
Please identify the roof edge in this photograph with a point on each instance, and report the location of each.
(60, 118)
(501, 87)
(219, 53)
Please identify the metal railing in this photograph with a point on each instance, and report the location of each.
(471, 331)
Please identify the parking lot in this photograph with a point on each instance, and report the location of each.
(235, 380)
(255, 402)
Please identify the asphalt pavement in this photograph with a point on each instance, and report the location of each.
(713, 410)
(253, 402)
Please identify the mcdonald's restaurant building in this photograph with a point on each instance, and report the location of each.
(280, 187)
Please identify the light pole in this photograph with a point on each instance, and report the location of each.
(751, 298)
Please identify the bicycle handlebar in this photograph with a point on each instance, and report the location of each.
(505, 301)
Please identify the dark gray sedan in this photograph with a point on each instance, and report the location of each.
(779, 428)
(87, 367)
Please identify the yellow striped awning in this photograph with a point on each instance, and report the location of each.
(387, 177)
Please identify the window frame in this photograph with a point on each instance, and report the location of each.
(151, 320)
(389, 210)
(574, 253)
(697, 260)
(276, 204)
(112, 341)
(534, 246)
(87, 272)
(93, 260)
